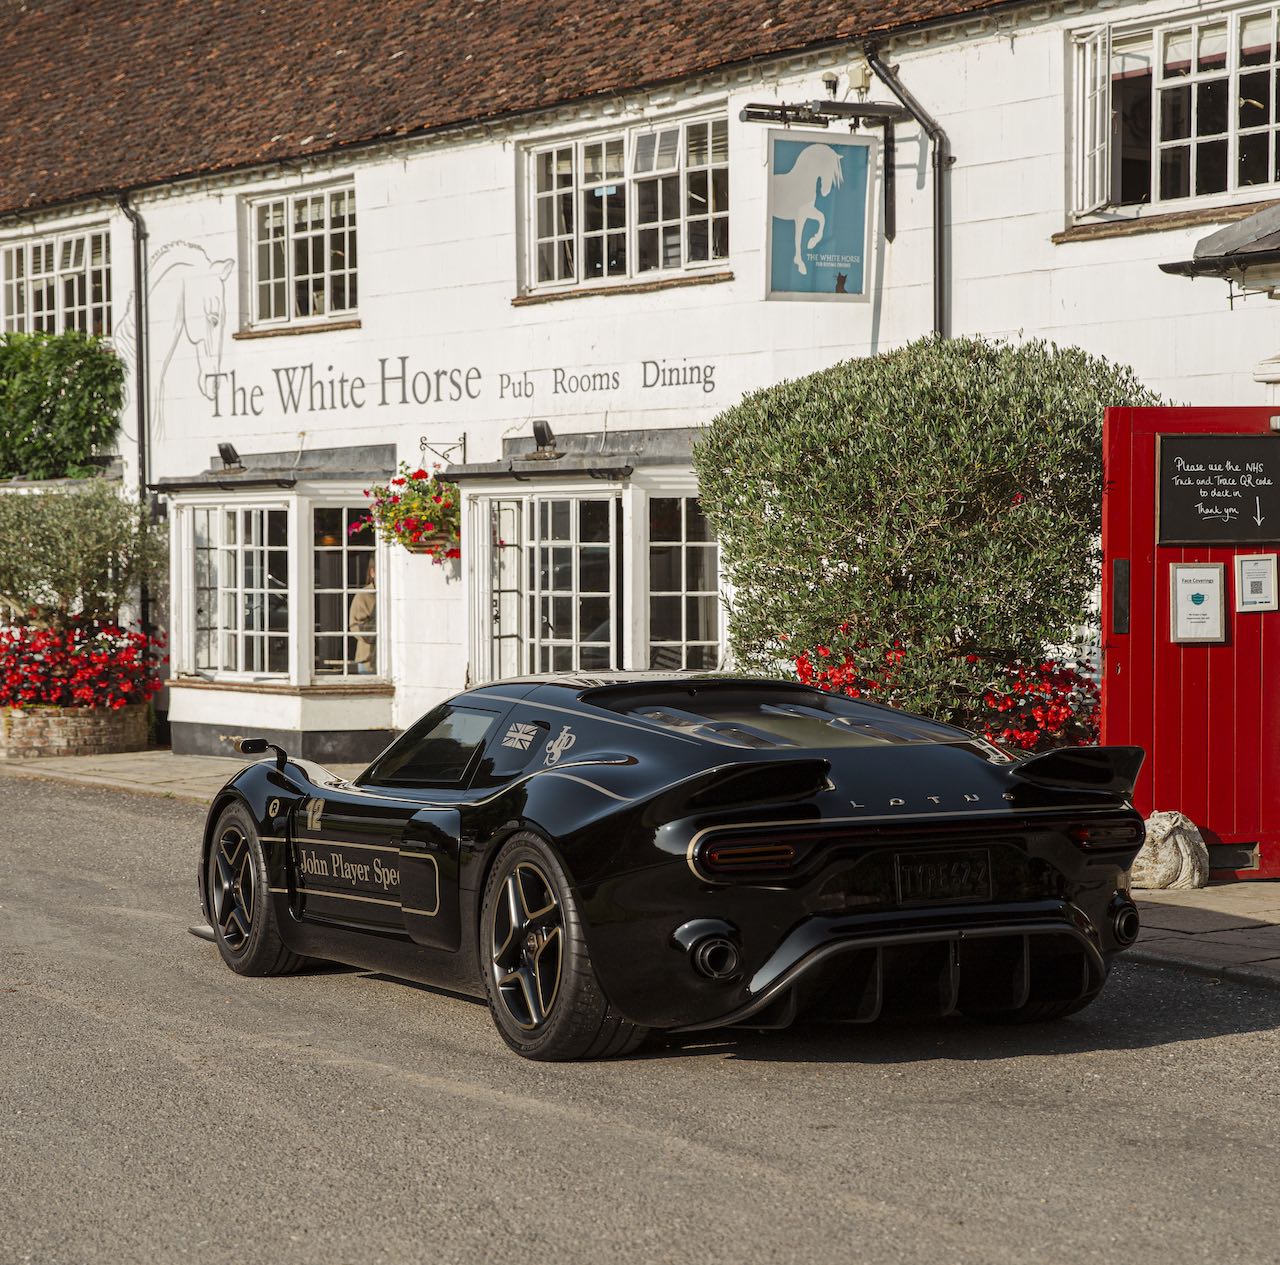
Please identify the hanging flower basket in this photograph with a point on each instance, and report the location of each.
(418, 510)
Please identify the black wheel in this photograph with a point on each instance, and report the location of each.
(244, 924)
(543, 992)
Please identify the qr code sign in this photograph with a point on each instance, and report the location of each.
(1255, 588)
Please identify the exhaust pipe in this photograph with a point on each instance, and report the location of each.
(712, 946)
(1125, 924)
(716, 957)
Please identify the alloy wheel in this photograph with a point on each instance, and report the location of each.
(233, 888)
(527, 952)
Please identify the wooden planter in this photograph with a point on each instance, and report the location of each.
(29, 732)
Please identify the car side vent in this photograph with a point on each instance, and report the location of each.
(760, 783)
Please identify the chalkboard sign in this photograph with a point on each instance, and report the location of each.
(1218, 489)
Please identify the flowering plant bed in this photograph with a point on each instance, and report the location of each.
(418, 510)
(81, 666)
(1034, 707)
(78, 690)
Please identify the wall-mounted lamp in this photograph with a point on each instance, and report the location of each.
(543, 435)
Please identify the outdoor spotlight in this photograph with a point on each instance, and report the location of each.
(542, 435)
(230, 458)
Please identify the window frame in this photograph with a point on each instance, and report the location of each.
(1083, 44)
(84, 236)
(301, 626)
(631, 541)
(450, 706)
(254, 320)
(631, 136)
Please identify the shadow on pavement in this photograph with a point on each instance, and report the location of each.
(1190, 1008)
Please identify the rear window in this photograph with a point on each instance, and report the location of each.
(772, 718)
(434, 752)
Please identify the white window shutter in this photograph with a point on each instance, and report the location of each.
(1092, 120)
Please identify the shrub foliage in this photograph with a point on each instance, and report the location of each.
(75, 553)
(84, 665)
(60, 398)
(934, 510)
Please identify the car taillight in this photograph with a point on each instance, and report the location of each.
(733, 857)
(1111, 834)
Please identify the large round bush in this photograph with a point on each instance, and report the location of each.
(927, 519)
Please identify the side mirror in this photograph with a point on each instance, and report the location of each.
(259, 746)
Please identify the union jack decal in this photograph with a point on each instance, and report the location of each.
(520, 736)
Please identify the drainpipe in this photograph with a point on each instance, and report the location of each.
(140, 371)
(940, 148)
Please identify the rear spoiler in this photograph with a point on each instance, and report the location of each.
(1110, 769)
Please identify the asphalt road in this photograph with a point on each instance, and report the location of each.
(155, 1107)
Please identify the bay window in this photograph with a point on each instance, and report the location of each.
(285, 590)
(586, 580)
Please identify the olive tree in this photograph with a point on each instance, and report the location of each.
(75, 552)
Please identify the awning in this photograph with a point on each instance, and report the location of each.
(601, 454)
(364, 463)
(1246, 252)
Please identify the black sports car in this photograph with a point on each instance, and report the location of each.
(600, 857)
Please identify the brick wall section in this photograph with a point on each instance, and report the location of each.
(49, 731)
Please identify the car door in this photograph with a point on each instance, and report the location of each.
(422, 780)
(347, 857)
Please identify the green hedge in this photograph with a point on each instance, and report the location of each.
(60, 399)
(942, 502)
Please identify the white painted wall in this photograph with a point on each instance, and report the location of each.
(439, 227)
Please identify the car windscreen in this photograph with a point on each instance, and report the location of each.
(765, 718)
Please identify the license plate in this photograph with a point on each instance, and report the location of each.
(939, 878)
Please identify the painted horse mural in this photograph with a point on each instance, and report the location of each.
(186, 301)
(795, 194)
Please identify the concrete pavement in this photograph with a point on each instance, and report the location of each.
(190, 777)
(1228, 930)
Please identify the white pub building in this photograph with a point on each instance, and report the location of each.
(330, 238)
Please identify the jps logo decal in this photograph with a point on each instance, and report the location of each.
(520, 737)
(315, 807)
(562, 743)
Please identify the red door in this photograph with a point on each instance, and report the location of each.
(1187, 486)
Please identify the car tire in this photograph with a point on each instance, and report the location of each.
(543, 993)
(240, 908)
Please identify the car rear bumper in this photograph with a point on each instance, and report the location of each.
(988, 959)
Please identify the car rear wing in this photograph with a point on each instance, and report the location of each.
(1113, 770)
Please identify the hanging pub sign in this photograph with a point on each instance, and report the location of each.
(819, 239)
(1217, 489)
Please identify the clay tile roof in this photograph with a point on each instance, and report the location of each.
(99, 95)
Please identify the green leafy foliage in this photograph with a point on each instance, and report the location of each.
(937, 507)
(60, 398)
(79, 551)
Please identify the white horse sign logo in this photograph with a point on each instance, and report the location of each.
(820, 216)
